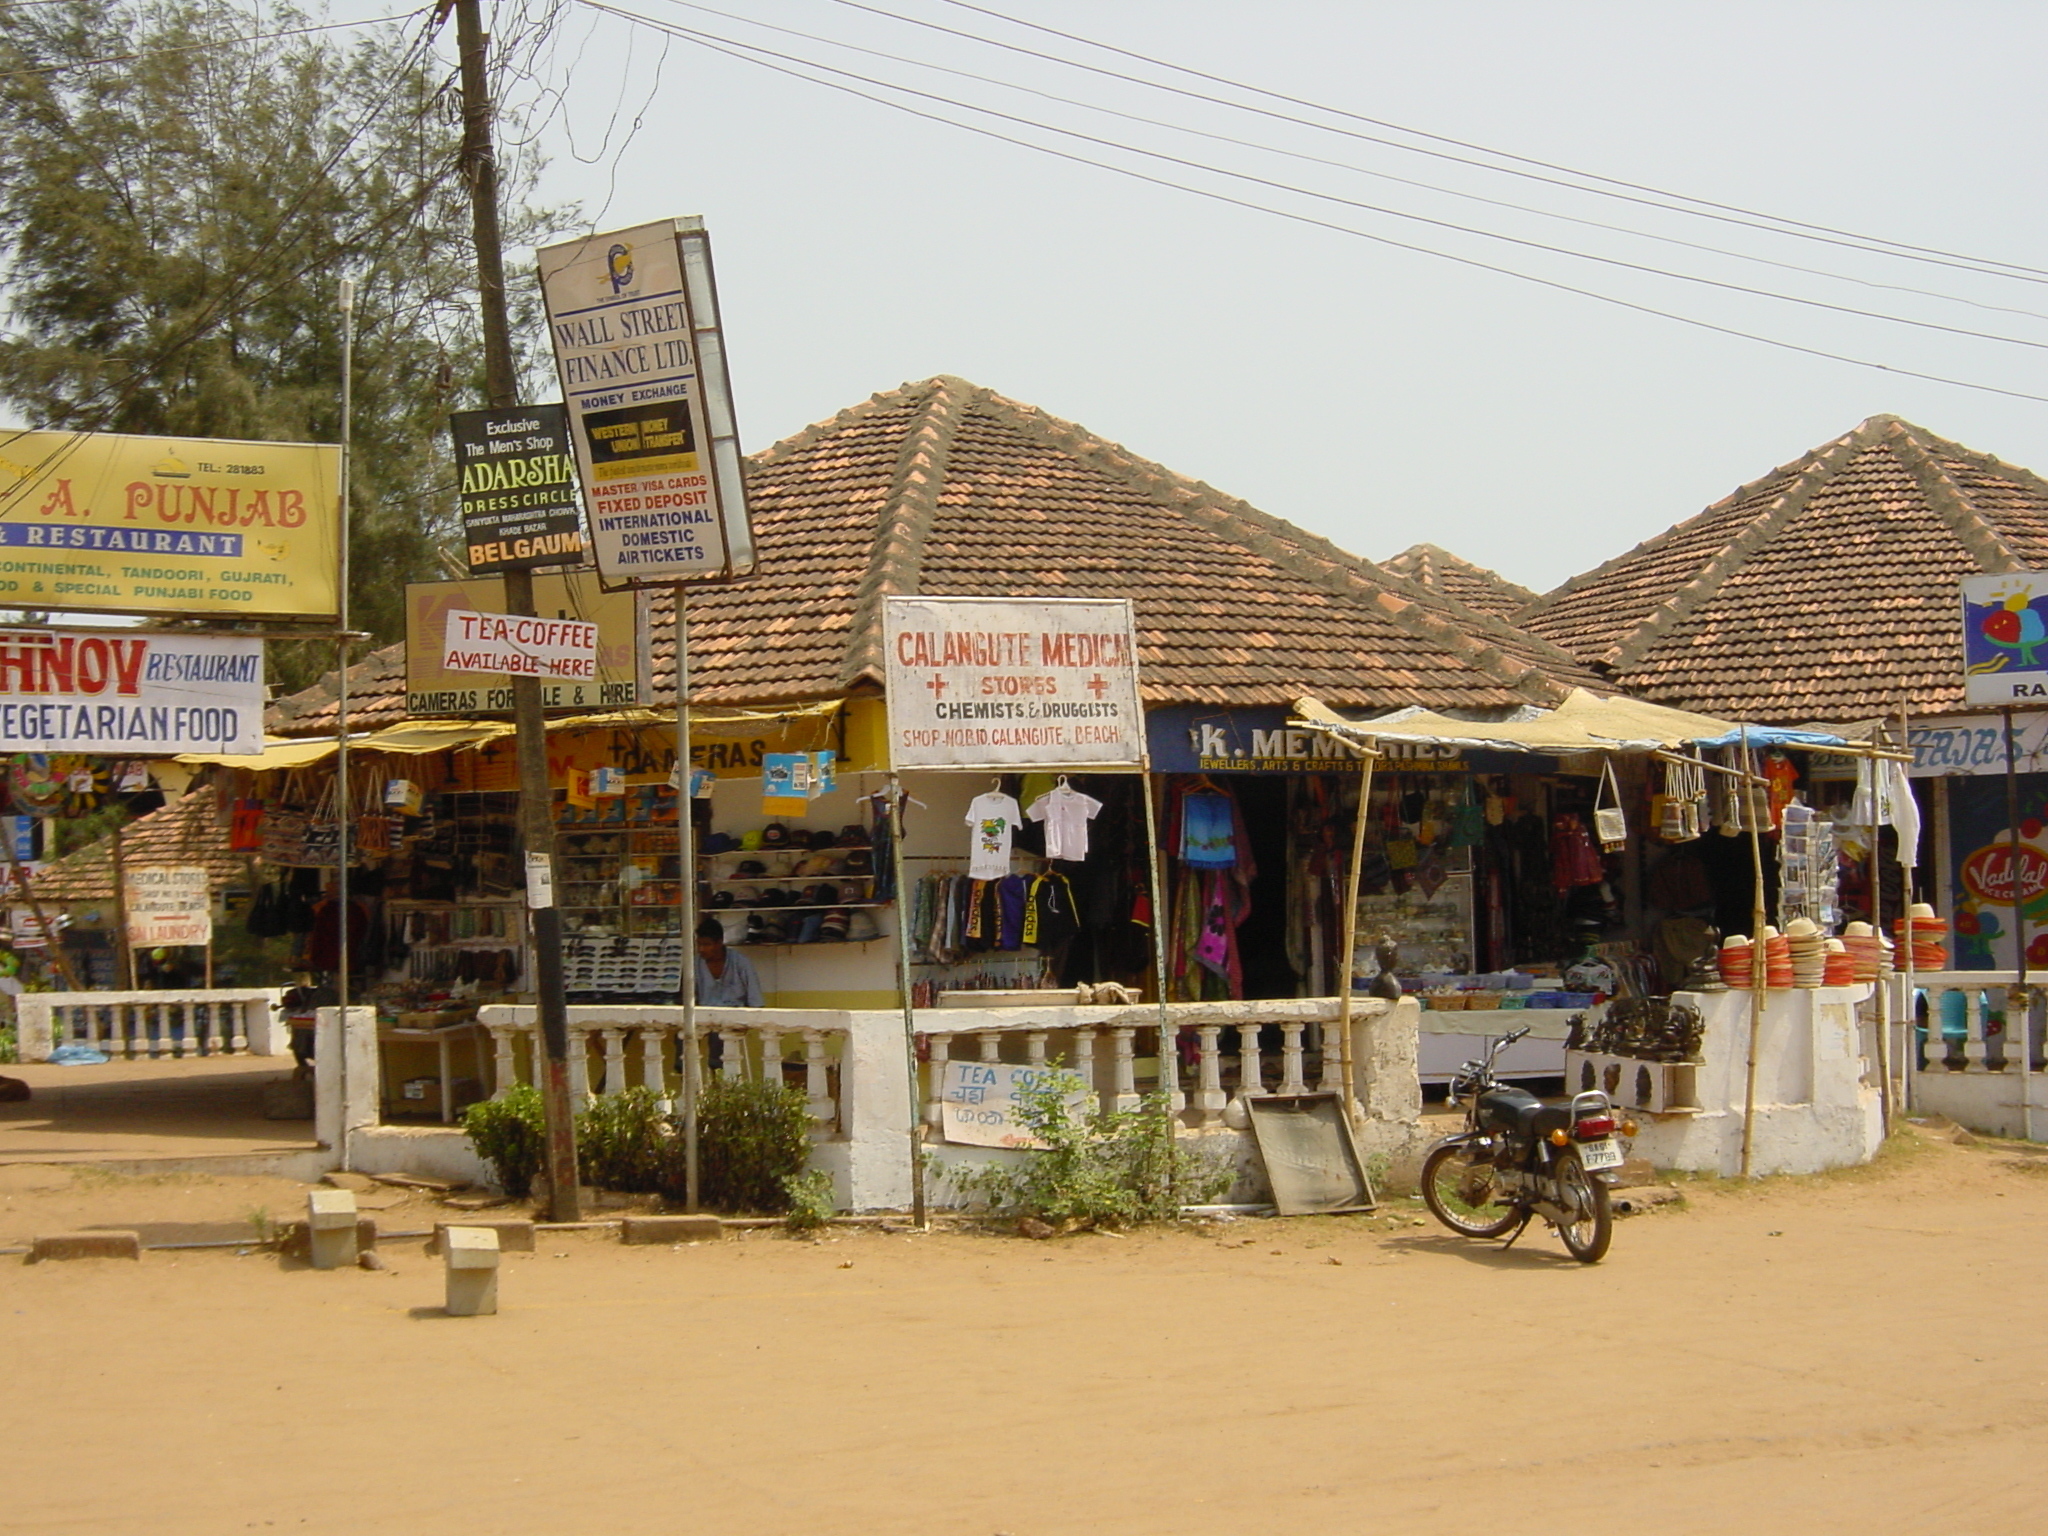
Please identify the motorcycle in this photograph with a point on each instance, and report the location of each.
(1519, 1158)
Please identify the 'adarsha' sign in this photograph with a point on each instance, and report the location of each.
(134, 694)
(517, 487)
(519, 646)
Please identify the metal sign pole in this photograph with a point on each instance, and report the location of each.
(1759, 970)
(2019, 1003)
(686, 847)
(894, 806)
(1350, 945)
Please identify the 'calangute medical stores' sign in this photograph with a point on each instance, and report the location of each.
(1000, 683)
(634, 320)
(129, 692)
(99, 523)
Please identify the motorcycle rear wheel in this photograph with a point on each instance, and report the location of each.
(1460, 1193)
(1587, 1238)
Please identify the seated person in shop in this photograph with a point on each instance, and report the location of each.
(725, 978)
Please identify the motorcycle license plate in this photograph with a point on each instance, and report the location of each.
(1604, 1153)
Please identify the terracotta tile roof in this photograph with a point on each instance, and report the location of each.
(1827, 590)
(186, 831)
(947, 489)
(1473, 585)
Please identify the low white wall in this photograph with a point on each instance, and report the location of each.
(36, 1015)
(1817, 1101)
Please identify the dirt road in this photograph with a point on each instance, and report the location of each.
(1856, 1353)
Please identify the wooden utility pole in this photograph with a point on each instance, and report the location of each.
(536, 811)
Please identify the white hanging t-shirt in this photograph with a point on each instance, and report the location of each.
(992, 823)
(1066, 813)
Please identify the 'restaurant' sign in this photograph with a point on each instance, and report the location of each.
(516, 482)
(1001, 683)
(519, 646)
(634, 320)
(129, 692)
(100, 523)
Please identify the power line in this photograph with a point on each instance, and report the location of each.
(1877, 245)
(1427, 186)
(1365, 207)
(735, 52)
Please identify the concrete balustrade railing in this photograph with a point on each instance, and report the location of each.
(1970, 1064)
(852, 1065)
(207, 1022)
(632, 1046)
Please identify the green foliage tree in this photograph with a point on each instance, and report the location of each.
(184, 191)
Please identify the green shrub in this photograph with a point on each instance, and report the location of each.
(510, 1134)
(811, 1201)
(622, 1141)
(1108, 1168)
(752, 1137)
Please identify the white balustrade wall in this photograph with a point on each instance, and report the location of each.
(1970, 1065)
(130, 1025)
(850, 1065)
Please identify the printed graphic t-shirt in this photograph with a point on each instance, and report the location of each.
(992, 822)
(1066, 813)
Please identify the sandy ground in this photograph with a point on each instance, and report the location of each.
(1858, 1353)
(191, 1107)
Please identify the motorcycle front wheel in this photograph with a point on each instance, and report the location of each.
(1460, 1193)
(1585, 1239)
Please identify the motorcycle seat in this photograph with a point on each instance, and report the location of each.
(1522, 1113)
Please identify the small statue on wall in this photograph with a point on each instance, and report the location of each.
(1387, 983)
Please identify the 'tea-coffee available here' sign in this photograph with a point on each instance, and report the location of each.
(519, 646)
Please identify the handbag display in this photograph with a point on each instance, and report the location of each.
(1610, 821)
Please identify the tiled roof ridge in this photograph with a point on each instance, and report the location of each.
(1573, 585)
(323, 693)
(1915, 448)
(1427, 555)
(1819, 467)
(1408, 604)
(896, 559)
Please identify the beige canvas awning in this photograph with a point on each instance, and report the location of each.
(1584, 722)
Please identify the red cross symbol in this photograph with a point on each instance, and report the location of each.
(1098, 685)
(937, 685)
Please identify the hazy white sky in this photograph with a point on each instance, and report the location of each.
(1373, 395)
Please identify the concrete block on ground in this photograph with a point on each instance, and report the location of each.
(295, 1238)
(331, 1223)
(671, 1229)
(515, 1233)
(86, 1245)
(471, 1256)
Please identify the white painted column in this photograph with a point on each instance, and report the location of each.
(771, 1054)
(1169, 1067)
(940, 1050)
(1084, 1062)
(991, 1045)
(654, 1040)
(1125, 1082)
(614, 1060)
(1330, 1077)
(504, 1065)
(732, 1064)
(1974, 1019)
(1034, 1048)
(1291, 1080)
(817, 1085)
(1251, 1072)
(579, 1064)
(1209, 1095)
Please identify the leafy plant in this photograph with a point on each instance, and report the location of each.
(510, 1134)
(622, 1141)
(10, 1046)
(811, 1201)
(752, 1138)
(1108, 1168)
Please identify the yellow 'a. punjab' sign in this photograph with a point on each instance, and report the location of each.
(100, 523)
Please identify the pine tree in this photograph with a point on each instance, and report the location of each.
(183, 195)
